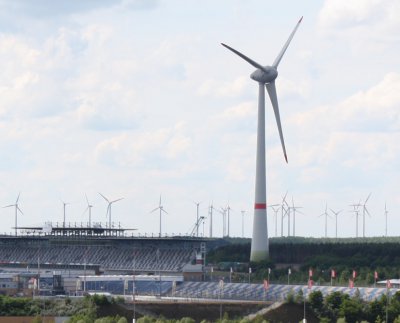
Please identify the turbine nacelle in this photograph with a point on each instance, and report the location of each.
(266, 75)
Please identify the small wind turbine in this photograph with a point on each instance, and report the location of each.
(64, 206)
(336, 216)
(265, 77)
(357, 213)
(386, 220)
(89, 209)
(326, 219)
(110, 203)
(17, 209)
(283, 211)
(197, 218)
(275, 208)
(294, 208)
(161, 208)
(228, 210)
(365, 211)
(223, 213)
(210, 213)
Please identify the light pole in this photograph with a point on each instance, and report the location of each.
(249, 274)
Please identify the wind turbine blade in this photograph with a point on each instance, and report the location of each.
(87, 200)
(367, 198)
(117, 200)
(16, 202)
(274, 100)
(154, 209)
(19, 210)
(160, 201)
(283, 50)
(164, 211)
(104, 197)
(8, 205)
(247, 59)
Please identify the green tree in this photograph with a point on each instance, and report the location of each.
(351, 310)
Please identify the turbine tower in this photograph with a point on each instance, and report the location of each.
(365, 211)
(275, 208)
(210, 214)
(326, 219)
(294, 208)
(265, 76)
(110, 203)
(17, 209)
(89, 209)
(161, 208)
(64, 206)
(336, 213)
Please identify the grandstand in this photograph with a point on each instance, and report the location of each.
(107, 250)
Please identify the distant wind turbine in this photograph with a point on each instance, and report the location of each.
(275, 208)
(110, 203)
(326, 219)
(161, 208)
(197, 217)
(365, 211)
(386, 220)
(294, 208)
(89, 209)
(336, 213)
(17, 209)
(265, 76)
(357, 213)
(64, 206)
(210, 213)
(283, 212)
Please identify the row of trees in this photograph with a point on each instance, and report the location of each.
(339, 307)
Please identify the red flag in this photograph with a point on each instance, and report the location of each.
(310, 272)
(354, 274)
(266, 284)
(376, 274)
(388, 284)
(333, 273)
(351, 283)
(310, 283)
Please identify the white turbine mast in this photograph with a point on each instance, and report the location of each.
(275, 208)
(357, 213)
(223, 211)
(284, 211)
(326, 219)
(161, 208)
(89, 209)
(210, 214)
(110, 203)
(364, 212)
(197, 217)
(64, 207)
(336, 213)
(265, 77)
(295, 209)
(17, 209)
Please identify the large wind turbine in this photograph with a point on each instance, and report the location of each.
(265, 76)
(110, 203)
(17, 209)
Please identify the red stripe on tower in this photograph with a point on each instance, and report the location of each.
(260, 206)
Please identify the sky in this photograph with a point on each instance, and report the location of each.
(137, 99)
